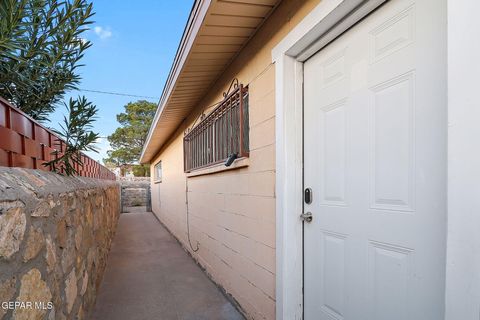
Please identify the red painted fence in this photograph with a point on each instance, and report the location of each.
(26, 143)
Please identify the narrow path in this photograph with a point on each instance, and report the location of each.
(149, 276)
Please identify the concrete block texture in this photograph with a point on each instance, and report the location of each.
(55, 235)
(232, 213)
(135, 193)
(231, 218)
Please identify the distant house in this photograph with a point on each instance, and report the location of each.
(299, 153)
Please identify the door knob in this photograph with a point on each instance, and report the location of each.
(307, 217)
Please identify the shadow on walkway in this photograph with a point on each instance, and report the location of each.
(150, 276)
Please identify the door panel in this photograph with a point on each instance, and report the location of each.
(375, 158)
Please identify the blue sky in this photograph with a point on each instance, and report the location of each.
(134, 44)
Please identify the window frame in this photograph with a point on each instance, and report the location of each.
(204, 136)
(156, 178)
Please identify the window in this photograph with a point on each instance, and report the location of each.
(158, 172)
(221, 134)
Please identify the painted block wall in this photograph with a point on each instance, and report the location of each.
(463, 238)
(232, 213)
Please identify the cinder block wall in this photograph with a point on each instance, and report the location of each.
(55, 235)
(135, 193)
(232, 213)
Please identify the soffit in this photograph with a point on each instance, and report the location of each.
(224, 31)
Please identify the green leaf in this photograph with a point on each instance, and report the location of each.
(76, 132)
(127, 141)
(40, 51)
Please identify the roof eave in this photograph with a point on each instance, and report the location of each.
(195, 20)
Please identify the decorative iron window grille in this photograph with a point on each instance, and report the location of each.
(220, 134)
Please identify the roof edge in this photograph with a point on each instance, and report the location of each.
(195, 20)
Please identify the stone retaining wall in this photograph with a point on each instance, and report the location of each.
(55, 235)
(136, 193)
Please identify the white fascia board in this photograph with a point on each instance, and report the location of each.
(197, 16)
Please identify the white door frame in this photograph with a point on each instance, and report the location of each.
(322, 25)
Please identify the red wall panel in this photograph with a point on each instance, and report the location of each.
(21, 124)
(19, 160)
(33, 149)
(26, 143)
(4, 158)
(42, 135)
(10, 140)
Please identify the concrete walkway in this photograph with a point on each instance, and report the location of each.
(149, 276)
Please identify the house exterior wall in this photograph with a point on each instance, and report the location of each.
(232, 213)
(463, 238)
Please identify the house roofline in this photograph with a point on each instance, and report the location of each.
(205, 28)
(195, 20)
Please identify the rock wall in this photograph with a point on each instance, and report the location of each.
(136, 193)
(55, 235)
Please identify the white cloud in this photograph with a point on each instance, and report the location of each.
(103, 33)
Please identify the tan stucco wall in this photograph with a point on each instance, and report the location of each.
(232, 213)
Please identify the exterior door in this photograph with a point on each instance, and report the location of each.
(375, 159)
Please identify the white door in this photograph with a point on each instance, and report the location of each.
(375, 159)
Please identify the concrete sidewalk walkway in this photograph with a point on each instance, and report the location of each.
(149, 276)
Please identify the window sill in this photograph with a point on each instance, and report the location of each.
(237, 164)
